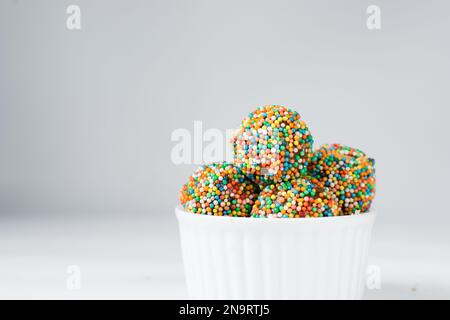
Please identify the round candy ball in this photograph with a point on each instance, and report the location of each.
(272, 144)
(299, 198)
(346, 172)
(219, 189)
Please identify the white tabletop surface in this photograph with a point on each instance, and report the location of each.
(140, 259)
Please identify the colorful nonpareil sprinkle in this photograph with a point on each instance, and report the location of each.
(219, 189)
(346, 172)
(272, 145)
(299, 198)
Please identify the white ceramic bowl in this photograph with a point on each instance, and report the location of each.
(249, 258)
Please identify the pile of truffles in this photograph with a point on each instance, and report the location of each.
(276, 173)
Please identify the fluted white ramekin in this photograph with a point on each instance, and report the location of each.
(249, 258)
